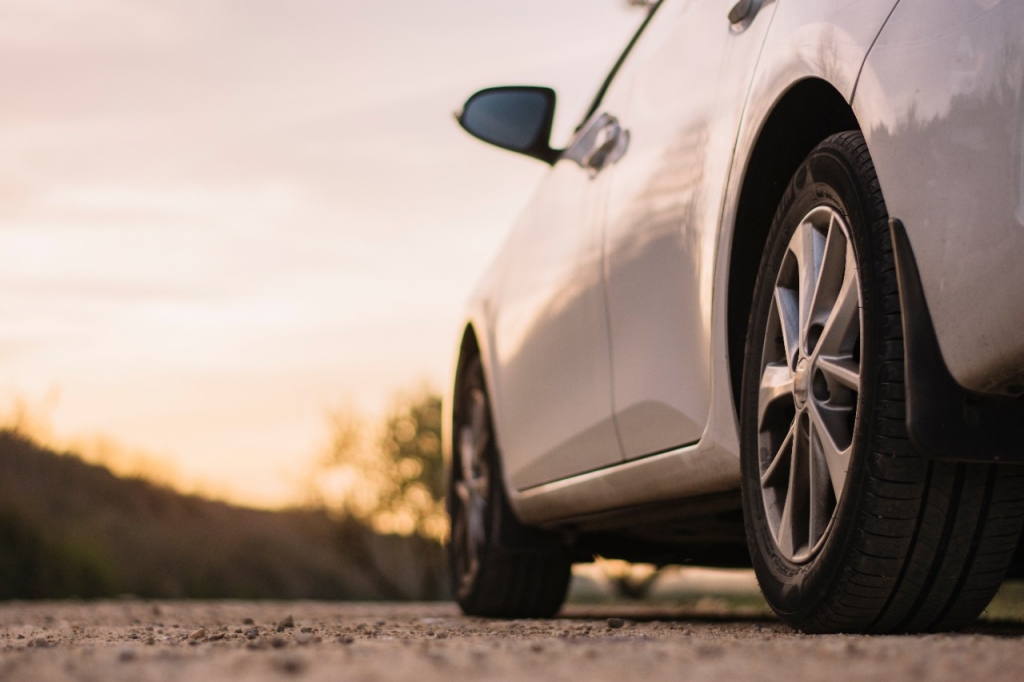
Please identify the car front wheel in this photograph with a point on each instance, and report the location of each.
(849, 529)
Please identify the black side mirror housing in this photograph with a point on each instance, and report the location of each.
(514, 117)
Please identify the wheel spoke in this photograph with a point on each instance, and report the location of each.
(842, 328)
(463, 492)
(467, 452)
(840, 372)
(785, 536)
(781, 458)
(776, 384)
(829, 422)
(793, 524)
(829, 279)
(821, 502)
(479, 423)
(809, 260)
(475, 523)
(788, 309)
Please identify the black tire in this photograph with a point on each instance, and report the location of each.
(912, 544)
(509, 570)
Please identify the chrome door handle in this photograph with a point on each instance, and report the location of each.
(600, 144)
(609, 146)
(743, 10)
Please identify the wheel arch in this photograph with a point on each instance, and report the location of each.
(468, 348)
(471, 345)
(807, 113)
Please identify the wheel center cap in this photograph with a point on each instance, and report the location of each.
(800, 382)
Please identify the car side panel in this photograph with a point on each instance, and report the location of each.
(685, 85)
(829, 40)
(550, 362)
(940, 100)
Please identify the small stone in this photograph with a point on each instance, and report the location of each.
(346, 639)
(197, 634)
(291, 666)
(126, 654)
(536, 647)
(216, 637)
(150, 641)
(288, 622)
(616, 623)
(307, 629)
(248, 621)
(442, 635)
(194, 642)
(303, 638)
(278, 642)
(709, 651)
(39, 643)
(252, 633)
(20, 637)
(254, 644)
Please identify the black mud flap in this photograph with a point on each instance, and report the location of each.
(945, 421)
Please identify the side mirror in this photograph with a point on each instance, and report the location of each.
(513, 117)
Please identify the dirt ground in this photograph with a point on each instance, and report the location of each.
(133, 639)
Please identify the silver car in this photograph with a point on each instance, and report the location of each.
(766, 309)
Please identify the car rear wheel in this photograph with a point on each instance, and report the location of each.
(498, 567)
(849, 529)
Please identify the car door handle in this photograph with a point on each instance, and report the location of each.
(743, 10)
(600, 144)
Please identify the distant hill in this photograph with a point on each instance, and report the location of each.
(72, 529)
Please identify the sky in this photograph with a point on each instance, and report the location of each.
(220, 220)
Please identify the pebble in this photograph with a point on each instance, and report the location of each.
(292, 666)
(126, 654)
(197, 634)
(288, 622)
(248, 621)
(39, 643)
(616, 623)
(278, 642)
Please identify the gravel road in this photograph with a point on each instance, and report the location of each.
(141, 640)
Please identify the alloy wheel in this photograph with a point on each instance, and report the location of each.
(472, 488)
(809, 384)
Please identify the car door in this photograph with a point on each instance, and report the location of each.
(551, 336)
(680, 95)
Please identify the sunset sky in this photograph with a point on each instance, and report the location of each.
(221, 219)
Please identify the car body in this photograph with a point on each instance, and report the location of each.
(612, 328)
